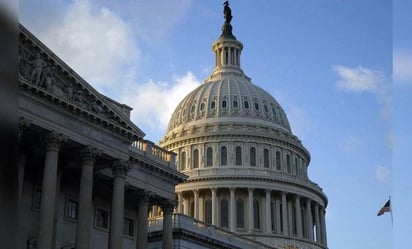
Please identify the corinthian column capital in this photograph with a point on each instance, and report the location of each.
(89, 154)
(54, 140)
(120, 168)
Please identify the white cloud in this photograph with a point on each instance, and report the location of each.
(154, 102)
(360, 79)
(95, 43)
(382, 173)
(402, 66)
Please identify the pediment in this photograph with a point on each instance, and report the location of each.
(46, 76)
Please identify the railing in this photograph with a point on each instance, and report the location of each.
(241, 241)
(208, 231)
(149, 149)
(257, 172)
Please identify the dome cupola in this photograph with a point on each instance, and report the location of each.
(247, 171)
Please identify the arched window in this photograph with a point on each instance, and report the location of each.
(278, 165)
(240, 213)
(238, 155)
(223, 155)
(266, 158)
(296, 166)
(288, 163)
(252, 156)
(224, 213)
(224, 104)
(196, 159)
(256, 214)
(246, 104)
(209, 157)
(208, 211)
(213, 105)
(235, 104)
(257, 106)
(183, 161)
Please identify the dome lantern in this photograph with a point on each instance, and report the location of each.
(227, 48)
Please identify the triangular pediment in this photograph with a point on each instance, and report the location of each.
(46, 76)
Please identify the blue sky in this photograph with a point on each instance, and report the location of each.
(327, 62)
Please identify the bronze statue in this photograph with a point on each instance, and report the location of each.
(227, 12)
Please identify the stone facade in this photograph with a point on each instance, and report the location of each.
(87, 178)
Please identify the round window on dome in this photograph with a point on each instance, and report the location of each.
(246, 104)
(266, 108)
(224, 103)
(213, 105)
(202, 106)
(235, 104)
(192, 109)
(257, 107)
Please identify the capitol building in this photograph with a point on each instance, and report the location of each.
(228, 173)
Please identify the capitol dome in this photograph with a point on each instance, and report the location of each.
(247, 170)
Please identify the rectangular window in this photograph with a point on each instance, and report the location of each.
(71, 209)
(101, 218)
(128, 227)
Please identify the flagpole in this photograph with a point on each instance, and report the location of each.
(391, 204)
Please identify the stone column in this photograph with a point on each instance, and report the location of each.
(317, 223)
(284, 214)
(179, 202)
(167, 240)
(186, 206)
(88, 156)
(142, 210)
(277, 215)
(214, 209)
(268, 212)
(196, 203)
(309, 221)
(232, 210)
(323, 226)
(53, 142)
(298, 216)
(119, 170)
(290, 218)
(250, 209)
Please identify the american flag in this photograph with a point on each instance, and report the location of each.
(385, 208)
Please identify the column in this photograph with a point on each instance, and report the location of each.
(180, 202)
(277, 214)
(119, 170)
(317, 223)
(142, 210)
(268, 212)
(186, 206)
(196, 204)
(290, 218)
(298, 216)
(250, 209)
(214, 214)
(284, 214)
(53, 142)
(309, 221)
(167, 239)
(232, 210)
(88, 156)
(323, 226)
